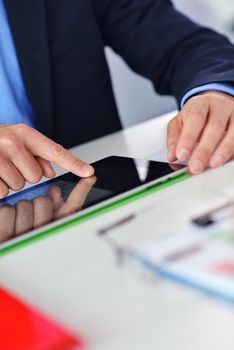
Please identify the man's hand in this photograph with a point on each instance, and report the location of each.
(202, 134)
(25, 155)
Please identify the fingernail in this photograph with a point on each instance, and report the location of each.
(183, 154)
(216, 161)
(196, 167)
(87, 170)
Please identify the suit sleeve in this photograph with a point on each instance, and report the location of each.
(163, 45)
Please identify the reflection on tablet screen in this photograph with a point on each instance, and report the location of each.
(68, 194)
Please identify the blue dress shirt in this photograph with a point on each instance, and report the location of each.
(14, 103)
(226, 88)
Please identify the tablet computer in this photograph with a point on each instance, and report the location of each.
(25, 213)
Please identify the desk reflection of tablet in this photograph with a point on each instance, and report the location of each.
(26, 212)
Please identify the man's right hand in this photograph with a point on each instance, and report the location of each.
(25, 156)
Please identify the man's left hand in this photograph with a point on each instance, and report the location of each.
(202, 134)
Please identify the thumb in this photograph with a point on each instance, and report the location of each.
(173, 133)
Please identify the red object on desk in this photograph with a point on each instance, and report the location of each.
(22, 328)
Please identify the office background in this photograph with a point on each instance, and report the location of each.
(136, 99)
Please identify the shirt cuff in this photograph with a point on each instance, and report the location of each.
(226, 88)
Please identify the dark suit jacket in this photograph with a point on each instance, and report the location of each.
(60, 45)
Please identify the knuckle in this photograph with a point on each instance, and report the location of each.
(195, 99)
(21, 128)
(77, 164)
(219, 125)
(222, 99)
(9, 139)
(58, 150)
(188, 141)
(200, 99)
(197, 115)
(204, 152)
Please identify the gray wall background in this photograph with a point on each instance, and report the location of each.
(136, 99)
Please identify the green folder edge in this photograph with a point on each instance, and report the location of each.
(96, 212)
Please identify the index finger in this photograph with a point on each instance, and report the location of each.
(195, 117)
(42, 146)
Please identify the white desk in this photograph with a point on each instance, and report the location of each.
(73, 277)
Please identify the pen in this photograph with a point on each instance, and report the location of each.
(119, 223)
(125, 220)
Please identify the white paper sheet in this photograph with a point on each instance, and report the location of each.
(161, 156)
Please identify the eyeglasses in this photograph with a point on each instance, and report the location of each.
(126, 256)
